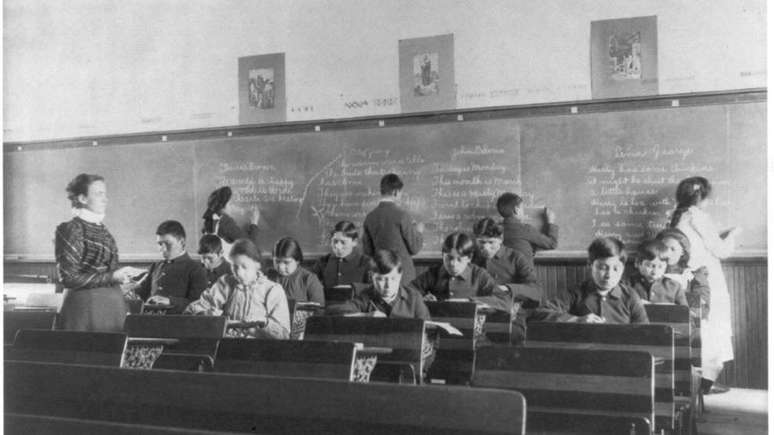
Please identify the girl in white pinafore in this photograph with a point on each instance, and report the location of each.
(707, 249)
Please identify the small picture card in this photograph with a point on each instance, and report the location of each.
(262, 88)
(426, 73)
(624, 57)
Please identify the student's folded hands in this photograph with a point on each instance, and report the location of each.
(590, 318)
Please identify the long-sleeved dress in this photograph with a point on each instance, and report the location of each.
(707, 248)
(86, 256)
(260, 300)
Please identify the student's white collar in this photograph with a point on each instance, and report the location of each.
(88, 215)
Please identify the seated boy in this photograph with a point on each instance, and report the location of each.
(511, 270)
(603, 298)
(649, 281)
(389, 226)
(386, 296)
(178, 279)
(523, 237)
(211, 256)
(457, 278)
(344, 265)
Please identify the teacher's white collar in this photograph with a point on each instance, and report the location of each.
(88, 215)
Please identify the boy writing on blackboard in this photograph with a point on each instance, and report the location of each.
(390, 227)
(521, 236)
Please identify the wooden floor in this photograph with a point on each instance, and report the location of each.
(740, 411)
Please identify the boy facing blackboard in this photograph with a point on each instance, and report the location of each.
(390, 227)
(521, 236)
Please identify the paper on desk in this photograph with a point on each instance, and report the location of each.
(446, 326)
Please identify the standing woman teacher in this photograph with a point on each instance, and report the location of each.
(708, 247)
(218, 219)
(87, 262)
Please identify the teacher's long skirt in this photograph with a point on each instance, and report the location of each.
(101, 309)
(717, 330)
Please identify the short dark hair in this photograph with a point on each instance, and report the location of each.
(288, 247)
(606, 247)
(682, 239)
(80, 186)
(651, 249)
(487, 227)
(390, 184)
(210, 244)
(507, 202)
(247, 248)
(348, 228)
(174, 228)
(460, 242)
(385, 261)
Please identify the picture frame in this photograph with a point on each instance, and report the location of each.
(261, 84)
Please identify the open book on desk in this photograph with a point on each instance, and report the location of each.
(242, 324)
(446, 326)
(480, 305)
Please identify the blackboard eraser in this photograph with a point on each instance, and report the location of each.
(675, 103)
(316, 128)
(574, 109)
(381, 123)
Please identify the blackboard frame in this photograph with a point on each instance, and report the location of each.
(751, 95)
(371, 122)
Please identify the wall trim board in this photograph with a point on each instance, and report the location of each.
(476, 114)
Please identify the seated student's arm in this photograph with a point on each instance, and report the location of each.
(680, 298)
(314, 290)
(525, 287)
(638, 313)
(424, 284)
(489, 292)
(420, 309)
(562, 309)
(358, 304)
(143, 289)
(318, 268)
(277, 316)
(197, 283)
(211, 301)
(411, 235)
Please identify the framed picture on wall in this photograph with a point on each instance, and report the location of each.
(426, 71)
(262, 88)
(624, 57)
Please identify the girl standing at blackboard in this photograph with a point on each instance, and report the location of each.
(218, 219)
(708, 247)
(87, 262)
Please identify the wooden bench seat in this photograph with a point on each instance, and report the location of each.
(70, 347)
(256, 404)
(577, 391)
(405, 337)
(658, 340)
(289, 358)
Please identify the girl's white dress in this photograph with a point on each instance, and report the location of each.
(707, 249)
(259, 300)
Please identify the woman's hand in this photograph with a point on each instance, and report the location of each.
(430, 297)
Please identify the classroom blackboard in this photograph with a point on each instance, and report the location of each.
(606, 172)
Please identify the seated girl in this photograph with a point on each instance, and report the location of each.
(246, 296)
(300, 284)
